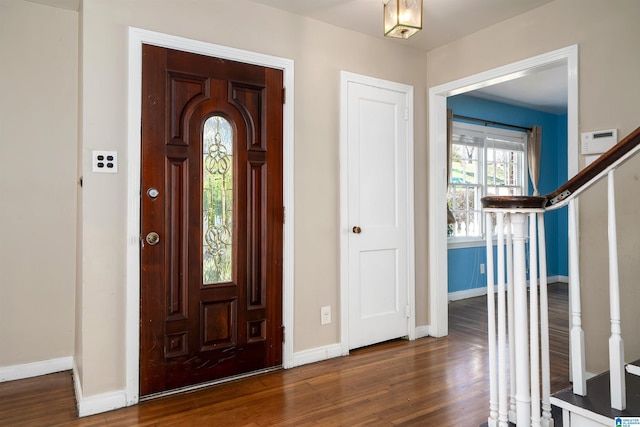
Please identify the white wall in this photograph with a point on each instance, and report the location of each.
(38, 181)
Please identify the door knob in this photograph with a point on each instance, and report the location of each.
(153, 238)
(357, 230)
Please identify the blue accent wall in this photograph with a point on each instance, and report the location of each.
(464, 263)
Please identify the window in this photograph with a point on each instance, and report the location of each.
(217, 200)
(484, 161)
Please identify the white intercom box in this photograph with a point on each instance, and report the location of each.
(599, 141)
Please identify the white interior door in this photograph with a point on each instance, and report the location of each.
(378, 147)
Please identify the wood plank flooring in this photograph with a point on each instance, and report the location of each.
(426, 382)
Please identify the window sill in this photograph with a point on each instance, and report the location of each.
(472, 243)
(460, 243)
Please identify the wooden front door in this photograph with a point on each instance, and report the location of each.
(211, 220)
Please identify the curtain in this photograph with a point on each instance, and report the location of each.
(534, 146)
(450, 218)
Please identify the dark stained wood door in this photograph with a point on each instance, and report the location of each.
(211, 275)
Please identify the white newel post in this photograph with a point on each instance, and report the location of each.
(576, 335)
(523, 397)
(616, 345)
(519, 397)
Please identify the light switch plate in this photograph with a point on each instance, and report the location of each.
(104, 161)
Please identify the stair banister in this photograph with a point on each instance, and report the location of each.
(524, 406)
(587, 177)
(527, 360)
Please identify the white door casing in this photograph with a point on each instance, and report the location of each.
(377, 289)
(438, 292)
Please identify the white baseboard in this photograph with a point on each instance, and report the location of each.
(98, 403)
(478, 292)
(28, 370)
(467, 293)
(422, 331)
(316, 354)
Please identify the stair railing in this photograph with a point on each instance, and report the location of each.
(525, 401)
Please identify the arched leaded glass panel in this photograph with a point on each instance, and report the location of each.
(217, 200)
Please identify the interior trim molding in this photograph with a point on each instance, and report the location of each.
(35, 369)
(138, 37)
(98, 403)
(478, 292)
(422, 331)
(317, 354)
(438, 279)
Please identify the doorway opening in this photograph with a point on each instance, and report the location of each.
(138, 37)
(438, 274)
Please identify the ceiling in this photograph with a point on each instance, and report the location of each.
(445, 21)
(542, 90)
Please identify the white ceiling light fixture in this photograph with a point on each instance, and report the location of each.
(402, 18)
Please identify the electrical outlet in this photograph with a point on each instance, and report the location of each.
(325, 315)
(105, 161)
(481, 268)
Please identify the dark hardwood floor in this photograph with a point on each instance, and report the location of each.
(426, 382)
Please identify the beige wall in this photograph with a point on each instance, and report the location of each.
(320, 52)
(38, 139)
(34, 35)
(609, 59)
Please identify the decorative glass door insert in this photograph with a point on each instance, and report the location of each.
(217, 201)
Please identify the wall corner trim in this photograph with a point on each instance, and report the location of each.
(317, 354)
(35, 369)
(98, 403)
(422, 331)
